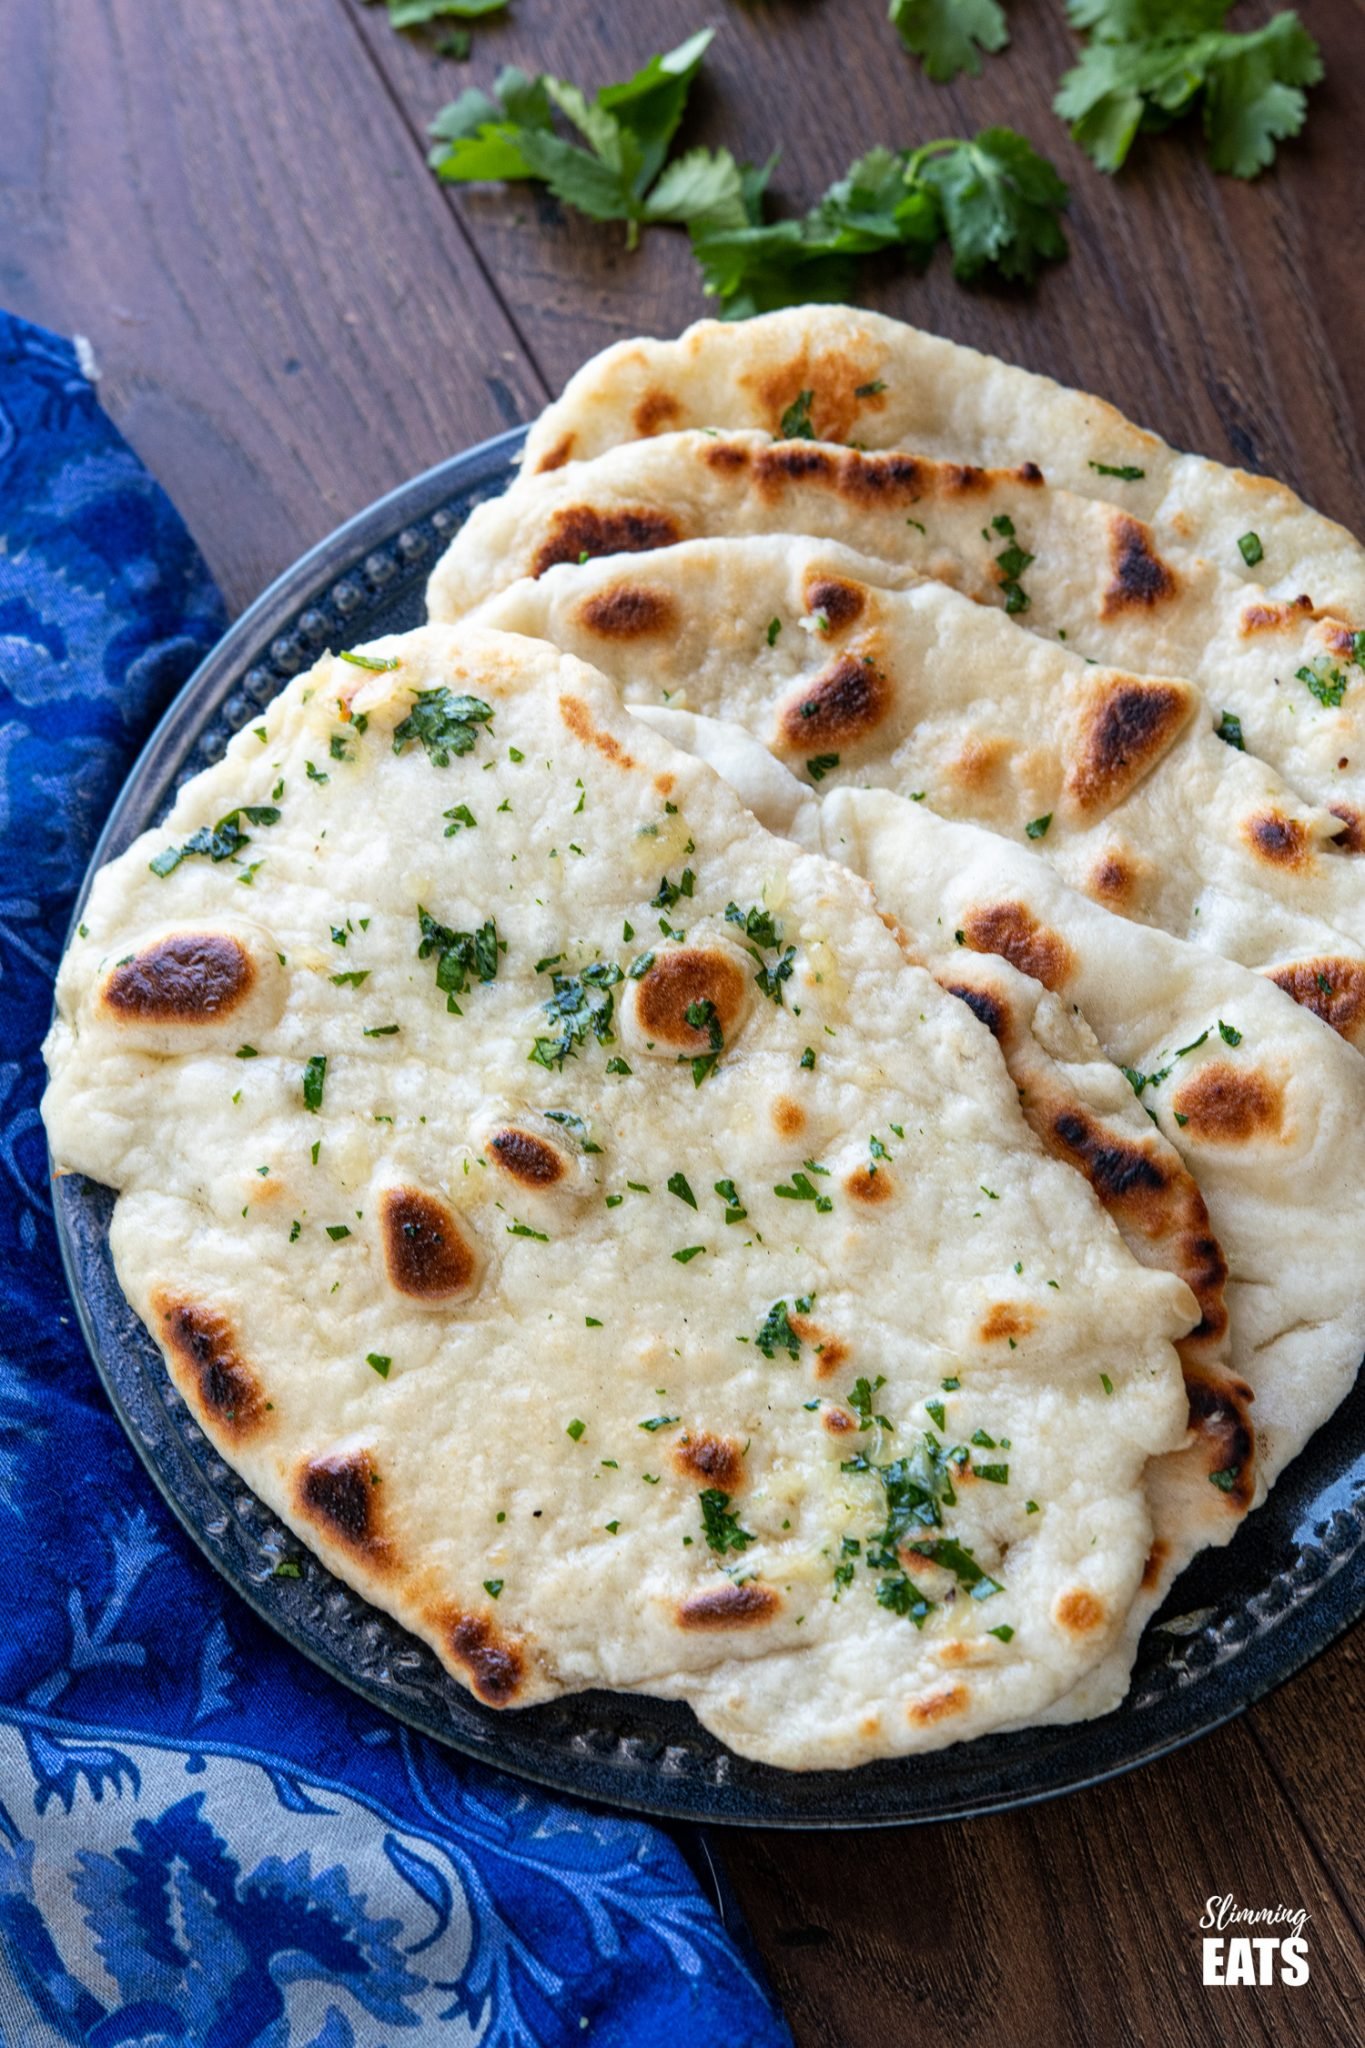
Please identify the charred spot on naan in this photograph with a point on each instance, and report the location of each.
(840, 601)
(838, 387)
(710, 1460)
(1332, 988)
(1012, 931)
(579, 530)
(203, 1344)
(1005, 1320)
(491, 1659)
(532, 1161)
(680, 978)
(556, 456)
(1271, 616)
(1126, 728)
(1080, 1612)
(831, 1351)
(1114, 879)
(339, 1493)
(427, 1256)
(985, 1005)
(1351, 838)
(843, 704)
(788, 1117)
(656, 412)
(1153, 1197)
(628, 611)
(1138, 578)
(728, 1606)
(979, 763)
(871, 1185)
(1279, 841)
(1155, 1564)
(1222, 1104)
(838, 1421)
(1221, 1420)
(942, 1705)
(578, 718)
(186, 978)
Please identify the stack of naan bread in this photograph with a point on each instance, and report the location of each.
(768, 1110)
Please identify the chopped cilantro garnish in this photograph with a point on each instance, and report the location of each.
(459, 955)
(796, 420)
(1227, 1478)
(356, 976)
(820, 766)
(1229, 730)
(378, 663)
(735, 1212)
(1004, 1632)
(719, 1526)
(575, 1429)
(581, 1003)
(1324, 682)
(900, 1593)
(658, 1422)
(380, 1363)
(493, 1587)
(1011, 564)
(688, 1253)
(677, 1185)
(774, 628)
(525, 1230)
(1106, 1383)
(668, 893)
(445, 725)
(776, 1333)
(801, 1189)
(1249, 546)
(218, 842)
(336, 1231)
(759, 925)
(807, 1059)
(1036, 828)
(953, 1557)
(1126, 472)
(459, 814)
(314, 1080)
(1228, 1034)
(247, 1052)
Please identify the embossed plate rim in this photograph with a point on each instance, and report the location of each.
(1291, 1582)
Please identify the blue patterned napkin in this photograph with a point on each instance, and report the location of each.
(204, 1841)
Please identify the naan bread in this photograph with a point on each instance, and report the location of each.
(1266, 1112)
(876, 383)
(850, 670)
(1064, 566)
(500, 1229)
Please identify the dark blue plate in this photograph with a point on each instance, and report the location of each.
(1244, 1617)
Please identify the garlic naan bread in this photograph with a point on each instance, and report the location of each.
(850, 670)
(1062, 566)
(1266, 1112)
(562, 1202)
(876, 383)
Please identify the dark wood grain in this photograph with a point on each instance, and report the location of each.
(1210, 310)
(224, 200)
(229, 198)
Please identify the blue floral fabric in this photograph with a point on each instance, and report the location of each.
(204, 1841)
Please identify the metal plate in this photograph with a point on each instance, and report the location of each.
(1293, 1578)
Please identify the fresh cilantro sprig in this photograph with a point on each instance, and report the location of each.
(622, 173)
(1149, 62)
(948, 35)
(993, 198)
(413, 13)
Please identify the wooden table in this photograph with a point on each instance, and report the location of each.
(228, 197)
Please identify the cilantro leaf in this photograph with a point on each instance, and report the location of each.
(1149, 63)
(948, 35)
(445, 725)
(412, 13)
(1000, 202)
(627, 129)
(459, 955)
